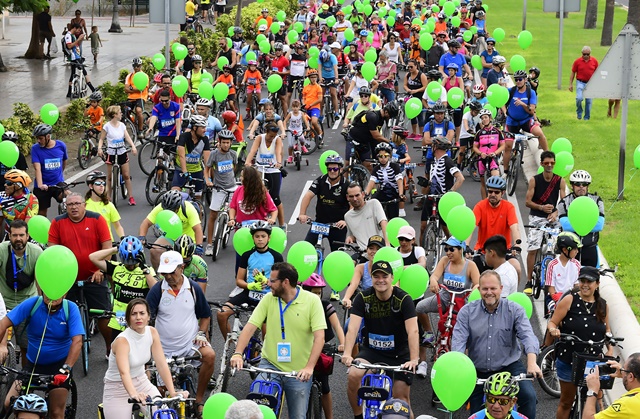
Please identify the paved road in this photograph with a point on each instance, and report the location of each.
(221, 283)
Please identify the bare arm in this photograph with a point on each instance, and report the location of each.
(99, 258)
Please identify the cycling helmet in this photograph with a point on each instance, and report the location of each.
(10, 136)
(475, 106)
(312, 72)
(260, 226)
(225, 134)
(498, 59)
(496, 182)
(453, 66)
(252, 62)
(97, 96)
(384, 147)
(400, 131)
(18, 176)
(237, 29)
(195, 58)
(364, 32)
(229, 116)
(441, 15)
(42, 129)
(415, 27)
(520, 74)
(262, 28)
(265, 10)
(441, 142)
(136, 62)
(265, 101)
(580, 176)
(314, 281)
(501, 384)
(298, 45)
(364, 90)
(334, 159)
(358, 67)
(589, 273)
(535, 70)
(453, 44)
(568, 240)
(198, 121)
(392, 109)
(439, 107)
(95, 175)
(226, 67)
(129, 250)
(478, 88)
(434, 74)
(324, 55)
(185, 245)
(480, 14)
(278, 46)
(485, 111)
(490, 40)
(204, 102)
(171, 200)
(31, 403)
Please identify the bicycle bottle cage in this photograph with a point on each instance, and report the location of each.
(265, 393)
(376, 387)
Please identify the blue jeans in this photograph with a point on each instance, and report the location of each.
(388, 94)
(296, 392)
(587, 102)
(526, 396)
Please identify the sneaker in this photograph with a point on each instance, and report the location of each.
(335, 296)
(402, 212)
(290, 160)
(337, 115)
(528, 289)
(419, 204)
(428, 338)
(283, 227)
(295, 147)
(304, 149)
(208, 251)
(132, 201)
(422, 369)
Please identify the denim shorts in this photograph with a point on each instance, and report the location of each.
(563, 370)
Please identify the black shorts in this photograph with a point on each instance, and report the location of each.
(121, 158)
(243, 298)
(466, 142)
(457, 117)
(136, 103)
(48, 369)
(283, 89)
(169, 145)
(426, 211)
(96, 295)
(219, 9)
(232, 97)
(44, 197)
(205, 6)
(371, 356)
(291, 82)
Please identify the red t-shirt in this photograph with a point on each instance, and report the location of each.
(584, 69)
(280, 64)
(492, 221)
(172, 97)
(82, 238)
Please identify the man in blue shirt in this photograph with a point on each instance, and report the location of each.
(329, 75)
(203, 107)
(168, 114)
(49, 158)
(453, 56)
(53, 354)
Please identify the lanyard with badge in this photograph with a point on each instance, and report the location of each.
(284, 348)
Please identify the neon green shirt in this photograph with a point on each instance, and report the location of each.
(127, 285)
(189, 220)
(197, 270)
(109, 212)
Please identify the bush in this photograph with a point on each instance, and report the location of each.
(251, 12)
(22, 122)
(112, 94)
(72, 120)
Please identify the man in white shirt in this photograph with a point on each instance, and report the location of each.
(341, 26)
(495, 252)
(365, 218)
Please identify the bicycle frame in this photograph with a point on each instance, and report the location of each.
(268, 392)
(444, 337)
(375, 387)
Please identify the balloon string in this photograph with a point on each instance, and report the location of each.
(633, 173)
(39, 347)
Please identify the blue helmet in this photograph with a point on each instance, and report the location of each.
(364, 32)
(496, 182)
(264, 101)
(129, 250)
(453, 66)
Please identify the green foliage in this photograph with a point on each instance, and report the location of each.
(206, 43)
(112, 94)
(250, 12)
(24, 132)
(123, 75)
(24, 5)
(72, 120)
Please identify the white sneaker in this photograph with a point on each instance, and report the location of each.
(208, 251)
(402, 212)
(422, 369)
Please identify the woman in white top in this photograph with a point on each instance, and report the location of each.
(393, 49)
(116, 134)
(131, 350)
(358, 82)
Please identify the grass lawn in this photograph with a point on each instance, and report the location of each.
(595, 142)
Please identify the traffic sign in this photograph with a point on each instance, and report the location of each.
(158, 11)
(553, 6)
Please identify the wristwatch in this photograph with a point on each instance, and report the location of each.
(146, 271)
(591, 393)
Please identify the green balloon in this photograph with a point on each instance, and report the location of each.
(416, 21)
(275, 28)
(230, 31)
(455, 22)
(517, 62)
(394, 258)
(278, 240)
(242, 240)
(474, 29)
(340, 1)
(337, 270)
(251, 56)
(393, 13)
(140, 80)
(449, 201)
(430, 26)
(449, 8)
(393, 227)
(371, 55)
(303, 256)
(442, 2)
(292, 36)
(492, 108)
(298, 27)
(56, 271)
(159, 61)
(475, 295)
(349, 35)
(267, 413)
(434, 90)
(636, 157)
(435, 8)
(391, 20)
(205, 90)
(583, 215)
(179, 51)
(49, 113)
(525, 39)
(180, 85)
(1, 131)
(497, 95)
(323, 158)
(264, 46)
(415, 280)
(261, 38)
(39, 228)
(485, 7)
(455, 97)
(9, 153)
(564, 164)
(262, 22)
(561, 144)
(314, 52)
(521, 298)
(368, 9)
(498, 34)
(331, 21)
(426, 41)
(368, 70)
(274, 83)
(281, 15)
(313, 62)
(413, 107)
(453, 367)
(462, 222)
(382, 12)
(169, 223)
(206, 77)
(217, 405)
(467, 35)
(229, 42)
(220, 92)
(476, 61)
(540, 169)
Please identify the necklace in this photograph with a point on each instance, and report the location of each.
(588, 306)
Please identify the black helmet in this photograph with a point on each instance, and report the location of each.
(453, 44)
(42, 129)
(384, 147)
(568, 240)
(475, 106)
(439, 107)
(95, 175)
(392, 109)
(225, 134)
(171, 200)
(440, 142)
(364, 90)
(535, 70)
(520, 74)
(358, 67)
(434, 74)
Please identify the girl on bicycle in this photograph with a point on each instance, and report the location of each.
(116, 134)
(98, 201)
(488, 143)
(253, 79)
(267, 115)
(227, 78)
(315, 283)
(251, 201)
(470, 121)
(295, 120)
(132, 349)
(479, 95)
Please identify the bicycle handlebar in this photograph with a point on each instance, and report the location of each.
(365, 366)
(519, 377)
(444, 287)
(157, 401)
(64, 186)
(612, 340)
(251, 368)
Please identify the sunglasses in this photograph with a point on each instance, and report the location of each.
(9, 183)
(197, 62)
(274, 129)
(586, 55)
(548, 163)
(493, 400)
(494, 192)
(441, 36)
(99, 183)
(333, 169)
(519, 78)
(383, 156)
(191, 49)
(365, 95)
(583, 184)
(450, 248)
(491, 43)
(404, 239)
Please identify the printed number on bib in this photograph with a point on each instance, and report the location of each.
(319, 228)
(381, 342)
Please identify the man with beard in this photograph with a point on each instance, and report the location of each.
(365, 218)
(627, 406)
(294, 338)
(17, 273)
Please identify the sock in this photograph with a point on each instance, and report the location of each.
(358, 416)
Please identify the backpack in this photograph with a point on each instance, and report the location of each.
(512, 92)
(40, 301)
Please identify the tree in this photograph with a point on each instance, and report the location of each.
(607, 25)
(591, 14)
(633, 16)
(34, 6)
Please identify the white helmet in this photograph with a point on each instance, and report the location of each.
(204, 102)
(580, 176)
(262, 28)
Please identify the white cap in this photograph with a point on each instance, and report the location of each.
(336, 45)
(169, 261)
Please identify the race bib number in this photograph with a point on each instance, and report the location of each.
(318, 228)
(52, 164)
(167, 123)
(118, 143)
(267, 159)
(192, 158)
(256, 295)
(284, 351)
(438, 131)
(381, 342)
(225, 166)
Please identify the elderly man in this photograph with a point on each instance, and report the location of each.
(582, 70)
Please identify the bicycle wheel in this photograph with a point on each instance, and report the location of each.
(298, 159)
(147, 157)
(71, 407)
(84, 153)
(430, 245)
(310, 144)
(412, 190)
(472, 169)
(226, 374)
(314, 411)
(75, 88)
(219, 231)
(514, 170)
(131, 129)
(543, 268)
(115, 184)
(157, 184)
(549, 380)
(198, 28)
(85, 340)
(6, 380)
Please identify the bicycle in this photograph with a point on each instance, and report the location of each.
(376, 387)
(62, 189)
(159, 179)
(78, 82)
(433, 235)
(252, 353)
(184, 375)
(117, 180)
(470, 164)
(166, 408)
(520, 143)
(193, 24)
(354, 171)
(129, 120)
(89, 319)
(327, 104)
(6, 380)
(315, 394)
(410, 183)
(544, 256)
(300, 148)
(88, 149)
(221, 229)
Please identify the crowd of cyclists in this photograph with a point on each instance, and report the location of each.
(235, 160)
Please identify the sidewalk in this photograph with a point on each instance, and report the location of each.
(37, 82)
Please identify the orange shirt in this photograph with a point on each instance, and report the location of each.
(440, 27)
(95, 116)
(269, 20)
(312, 93)
(492, 221)
(228, 80)
(252, 77)
(136, 95)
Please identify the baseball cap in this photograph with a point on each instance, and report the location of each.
(169, 261)
(383, 266)
(589, 273)
(336, 45)
(407, 232)
(377, 240)
(325, 6)
(395, 409)
(452, 241)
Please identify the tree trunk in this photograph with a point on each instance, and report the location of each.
(115, 20)
(3, 69)
(633, 16)
(33, 51)
(607, 25)
(591, 14)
